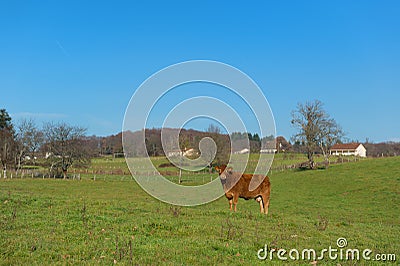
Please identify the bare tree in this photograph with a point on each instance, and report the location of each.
(214, 129)
(29, 139)
(330, 134)
(65, 144)
(223, 146)
(317, 130)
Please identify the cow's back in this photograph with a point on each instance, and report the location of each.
(242, 186)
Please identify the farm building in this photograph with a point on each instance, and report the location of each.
(176, 153)
(266, 150)
(356, 149)
(243, 151)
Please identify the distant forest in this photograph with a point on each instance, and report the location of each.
(190, 139)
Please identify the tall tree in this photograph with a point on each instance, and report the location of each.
(7, 141)
(5, 120)
(330, 134)
(317, 130)
(66, 146)
(29, 139)
(256, 137)
(214, 129)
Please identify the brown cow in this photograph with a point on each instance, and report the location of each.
(241, 188)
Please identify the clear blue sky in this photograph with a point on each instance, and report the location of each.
(81, 61)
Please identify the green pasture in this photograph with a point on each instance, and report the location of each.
(111, 220)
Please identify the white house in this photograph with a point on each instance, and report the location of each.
(356, 149)
(174, 153)
(243, 151)
(189, 152)
(266, 150)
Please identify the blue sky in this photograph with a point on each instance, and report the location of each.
(81, 61)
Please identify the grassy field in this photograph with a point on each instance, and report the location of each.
(116, 168)
(111, 220)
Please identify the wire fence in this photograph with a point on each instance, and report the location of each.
(116, 173)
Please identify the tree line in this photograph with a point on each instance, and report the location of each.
(63, 145)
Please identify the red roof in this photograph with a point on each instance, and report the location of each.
(345, 146)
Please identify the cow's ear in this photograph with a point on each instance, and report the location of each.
(230, 170)
(217, 169)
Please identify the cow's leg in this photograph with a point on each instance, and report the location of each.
(259, 200)
(266, 206)
(235, 200)
(265, 199)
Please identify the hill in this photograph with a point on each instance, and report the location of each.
(188, 139)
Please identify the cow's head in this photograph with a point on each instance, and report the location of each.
(223, 171)
(220, 168)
